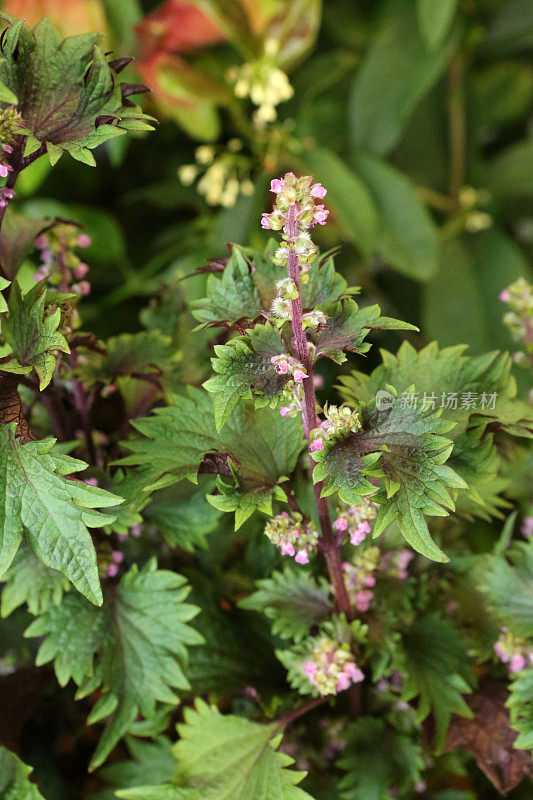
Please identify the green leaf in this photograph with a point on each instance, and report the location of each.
(437, 671)
(150, 762)
(14, 778)
(520, 705)
(65, 89)
(510, 173)
(348, 196)
(230, 297)
(406, 449)
(184, 522)
(3, 285)
(408, 238)
(435, 18)
(293, 600)
(31, 332)
(439, 374)
(134, 354)
(378, 760)
(18, 236)
(245, 370)
(510, 589)
(258, 445)
(29, 581)
(347, 327)
(134, 647)
(396, 73)
(52, 512)
(461, 303)
(227, 758)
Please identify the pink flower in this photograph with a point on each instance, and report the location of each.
(81, 270)
(500, 652)
(84, 240)
(117, 556)
(505, 296)
(518, 662)
(354, 672)
(357, 536)
(343, 682)
(281, 366)
(284, 410)
(318, 444)
(299, 375)
(370, 580)
(4, 169)
(302, 557)
(265, 222)
(136, 529)
(122, 537)
(321, 214)
(317, 190)
(7, 148)
(404, 559)
(91, 481)
(363, 600)
(38, 276)
(41, 243)
(527, 527)
(276, 185)
(310, 669)
(287, 549)
(341, 524)
(112, 570)
(363, 527)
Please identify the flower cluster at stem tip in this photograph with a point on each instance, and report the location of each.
(355, 520)
(330, 667)
(10, 126)
(293, 536)
(339, 422)
(61, 266)
(263, 82)
(297, 195)
(519, 319)
(513, 651)
(223, 175)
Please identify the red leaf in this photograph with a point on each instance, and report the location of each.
(176, 27)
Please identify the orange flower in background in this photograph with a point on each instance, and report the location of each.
(176, 27)
(69, 16)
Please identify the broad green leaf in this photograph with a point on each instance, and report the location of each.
(511, 171)
(69, 95)
(461, 303)
(293, 600)
(226, 758)
(150, 762)
(29, 581)
(3, 285)
(347, 196)
(437, 671)
(132, 354)
(510, 589)
(15, 778)
(347, 327)
(378, 760)
(244, 370)
(408, 237)
(471, 390)
(184, 522)
(258, 446)
(396, 73)
(520, 705)
(50, 511)
(230, 297)
(134, 648)
(435, 18)
(31, 333)
(405, 447)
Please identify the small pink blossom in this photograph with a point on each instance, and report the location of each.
(5, 169)
(302, 557)
(136, 529)
(370, 580)
(317, 190)
(343, 682)
(117, 556)
(310, 669)
(404, 559)
(517, 663)
(81, 270)
(341, 524)
(321, 214)
(83, 288)
(318, 444)
(41, 243)
(7, 148)
(357, 536)
(287, 549)
(265, 222)
(363, 527)
(38, 276)
(91, 481)
(299, 375)
(284, 410)
(122, 537)
(276, 185)
(527, 527)
(500, 652)
(354, 672)
(84, 240)
(363, 600)
(112, 570)
(505, 296)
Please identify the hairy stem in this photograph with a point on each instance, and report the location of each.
(310, 420)
(299, 712)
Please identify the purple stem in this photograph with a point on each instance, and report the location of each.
(329, 542)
